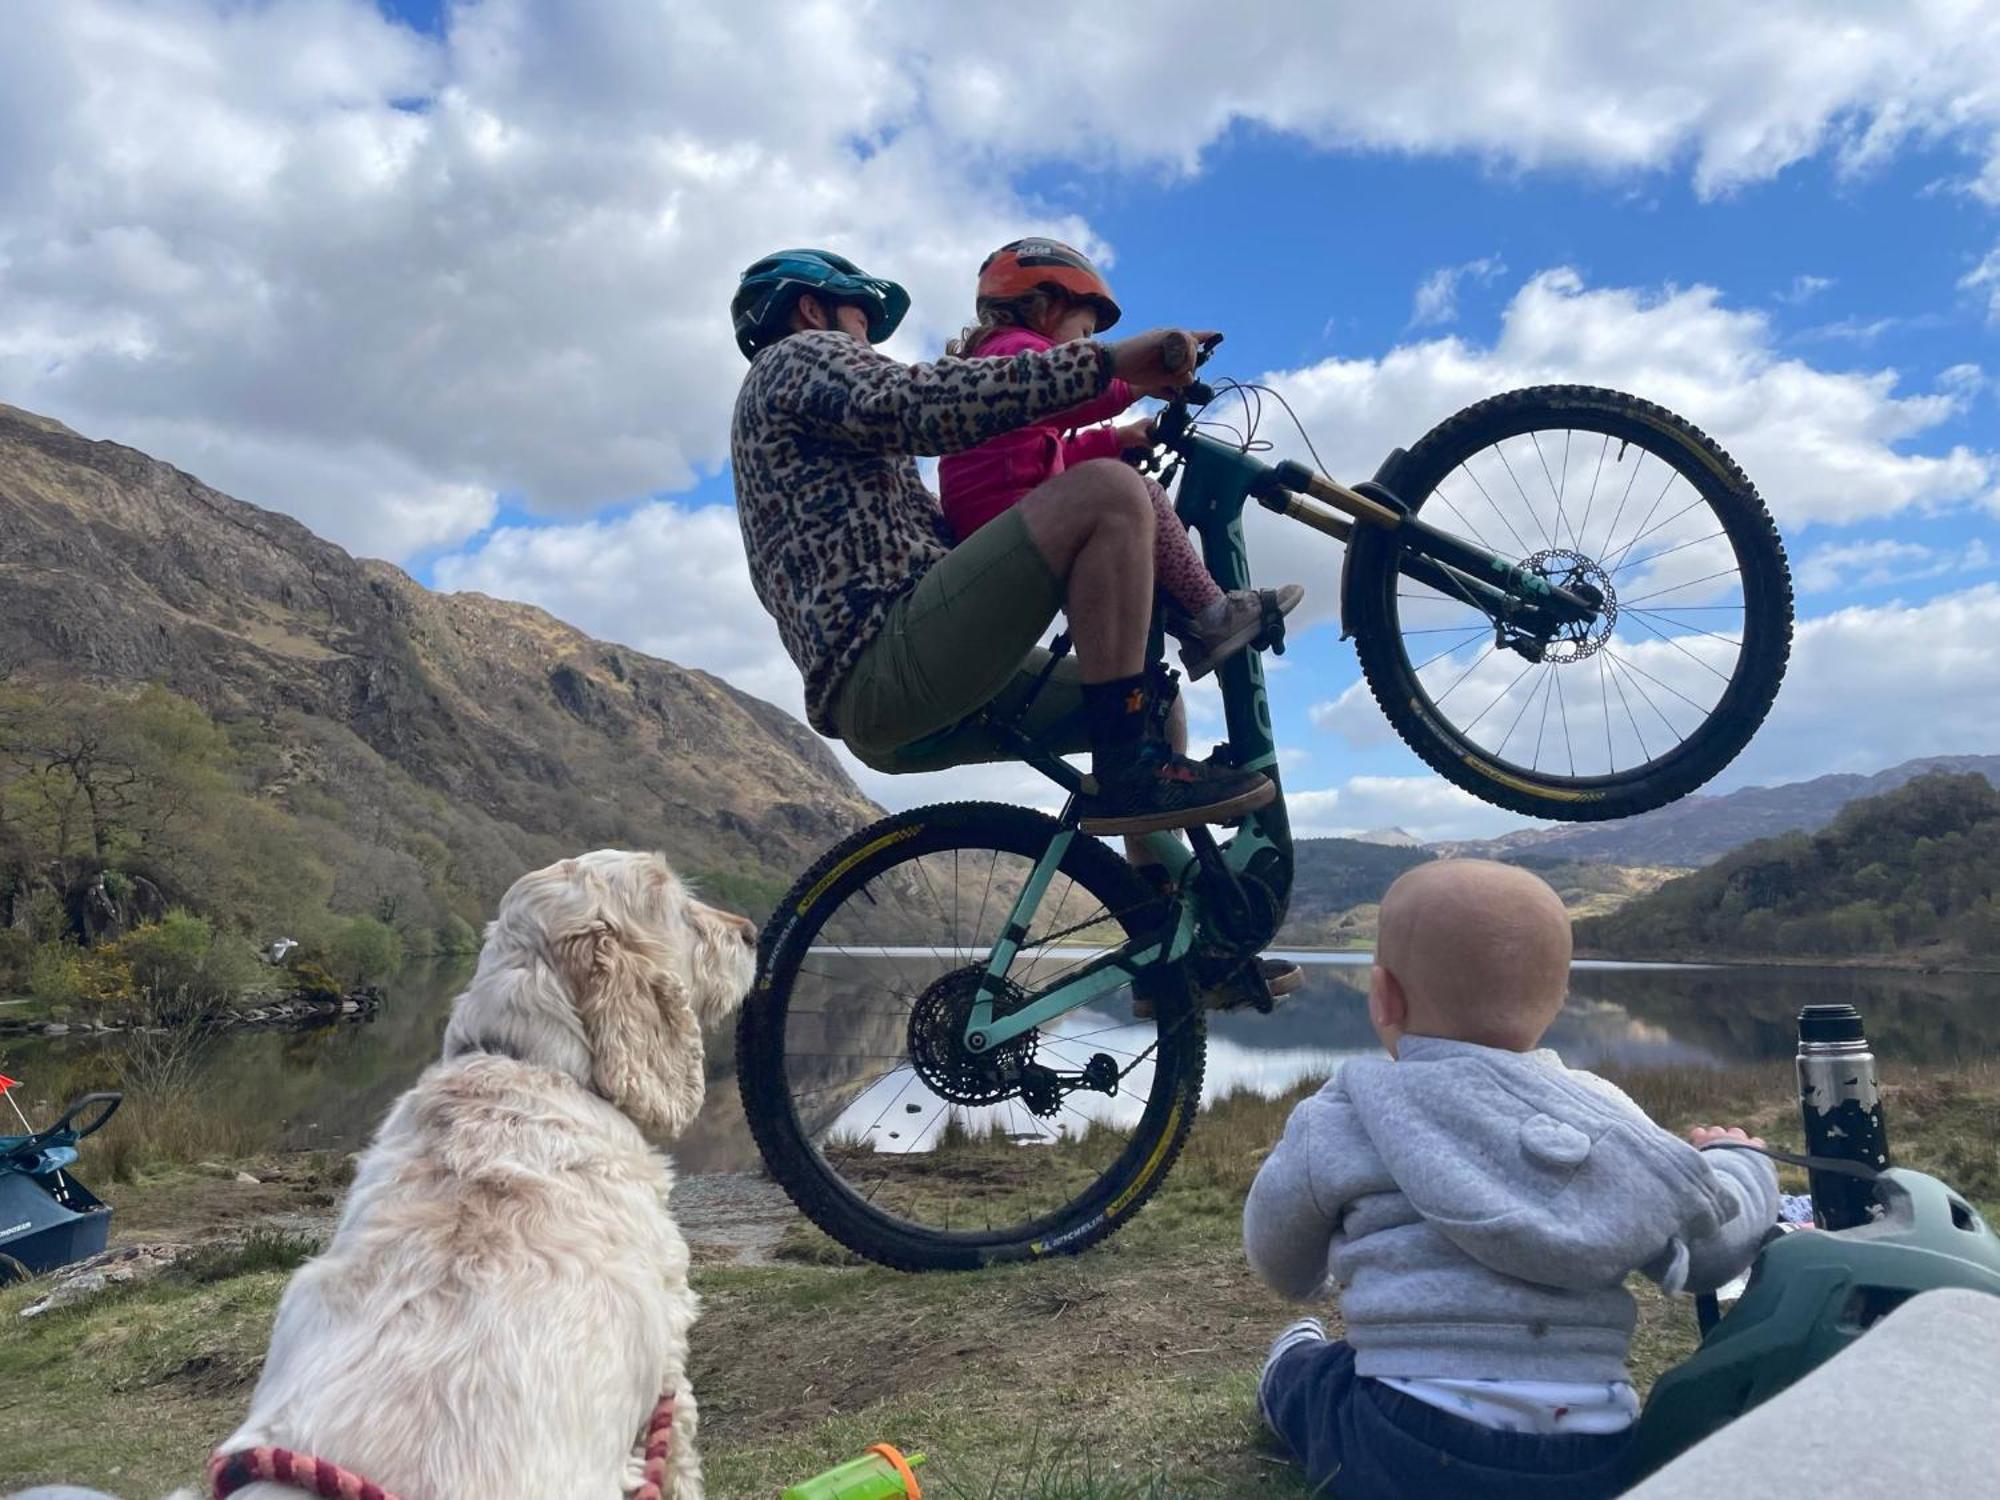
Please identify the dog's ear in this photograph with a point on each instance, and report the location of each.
(645, 1043)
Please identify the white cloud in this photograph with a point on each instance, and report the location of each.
(1984, 280)
(1870, 687)
(1424, 806)
(411, 272)
(1804, 288)
(1822, 446)
(1543, 82)
(404, 274)
(1437, 295)
(1873, 564)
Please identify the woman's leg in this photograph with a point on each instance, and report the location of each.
(1177, 567)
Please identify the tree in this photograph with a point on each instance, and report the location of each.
(364, 951)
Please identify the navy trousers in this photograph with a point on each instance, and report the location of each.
(1357, 1439)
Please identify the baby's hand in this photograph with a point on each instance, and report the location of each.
(1707, 1135)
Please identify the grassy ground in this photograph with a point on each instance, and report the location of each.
(1122, 1375)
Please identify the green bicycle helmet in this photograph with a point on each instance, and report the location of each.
(1810, 1296)
(762, 306)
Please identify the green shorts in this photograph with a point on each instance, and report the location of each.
(964, 637)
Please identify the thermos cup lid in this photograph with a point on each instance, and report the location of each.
(1830, 1023)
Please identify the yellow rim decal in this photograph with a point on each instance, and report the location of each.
(1533, 789)
(819, 887)
(1118, 1204)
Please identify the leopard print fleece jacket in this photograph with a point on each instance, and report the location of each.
(835, 518)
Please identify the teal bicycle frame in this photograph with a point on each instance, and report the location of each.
(1216, 484)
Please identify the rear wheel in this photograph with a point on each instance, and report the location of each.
(869, 1111)
(1591, 490)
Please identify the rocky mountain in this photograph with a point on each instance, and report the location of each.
(509, 735)
(1698, 830)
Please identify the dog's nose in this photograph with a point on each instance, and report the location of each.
(747, 930)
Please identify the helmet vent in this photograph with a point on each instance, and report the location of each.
(1868, 1305)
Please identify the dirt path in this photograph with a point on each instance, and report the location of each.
(729, 1218)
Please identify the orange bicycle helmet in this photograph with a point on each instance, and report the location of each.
(1024, 266)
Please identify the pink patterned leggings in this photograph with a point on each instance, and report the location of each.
(1177, 567)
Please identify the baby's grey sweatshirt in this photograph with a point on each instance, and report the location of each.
(1480, 1210)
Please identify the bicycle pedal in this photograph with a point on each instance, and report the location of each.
(1271, 635)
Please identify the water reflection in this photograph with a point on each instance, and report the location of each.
(330, 1088)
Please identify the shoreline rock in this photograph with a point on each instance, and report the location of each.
(360, 1005)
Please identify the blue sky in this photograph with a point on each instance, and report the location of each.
(447, 281)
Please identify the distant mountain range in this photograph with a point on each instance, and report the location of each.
(1700, 829)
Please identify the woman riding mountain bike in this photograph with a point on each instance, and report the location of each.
(901, 635)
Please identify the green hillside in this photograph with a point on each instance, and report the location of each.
(1908, 876)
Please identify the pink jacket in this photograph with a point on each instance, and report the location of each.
(978, 484)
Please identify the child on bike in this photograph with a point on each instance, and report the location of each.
(1033, 295)
(1479, 1206)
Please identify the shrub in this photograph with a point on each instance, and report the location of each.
(456, 935)
(182, 961)
(364, 951)
(54, 974)
(166, 956)
(17, 950)
(310, 981)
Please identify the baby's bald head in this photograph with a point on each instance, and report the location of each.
(1477, 951)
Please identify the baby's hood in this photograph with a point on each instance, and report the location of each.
(1529, 1170)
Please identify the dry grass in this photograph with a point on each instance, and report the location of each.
(1125, 1374)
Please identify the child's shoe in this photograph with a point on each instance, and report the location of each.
(1230, 624)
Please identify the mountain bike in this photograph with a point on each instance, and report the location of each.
(975, 1035)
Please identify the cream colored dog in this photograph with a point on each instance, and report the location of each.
(506, 1296)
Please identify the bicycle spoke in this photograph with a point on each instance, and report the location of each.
(1670, 551)
(1610, 755)
(1568, 743)
(1625, 552)
(1725, 639)
(1446, 500)
(1662, 593)
(1590, 501)
(1463, 637)
(1631, 480)
(1640, 671)
(1496, 702)
(1683, 650)
(1637, 733)
(1468, 672)
(1554, 488)
(1525, 548)
(1542, 733)
(1532, 512)
(1541, 686)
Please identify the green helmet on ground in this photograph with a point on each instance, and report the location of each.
(771, 288)
(1811, 1294)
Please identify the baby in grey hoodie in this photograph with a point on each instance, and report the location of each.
(1479, 1206)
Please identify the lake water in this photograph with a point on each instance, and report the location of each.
(328, 1088)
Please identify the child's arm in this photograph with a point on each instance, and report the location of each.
(1288, 1220)
(1750, 1182)
(854, 393)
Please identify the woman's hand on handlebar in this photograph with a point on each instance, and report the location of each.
(1136, 435)
(1160, 361)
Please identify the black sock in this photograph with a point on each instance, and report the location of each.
(1114, 715)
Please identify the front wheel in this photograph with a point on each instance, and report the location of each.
(1598, 491)
(869, 1111)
